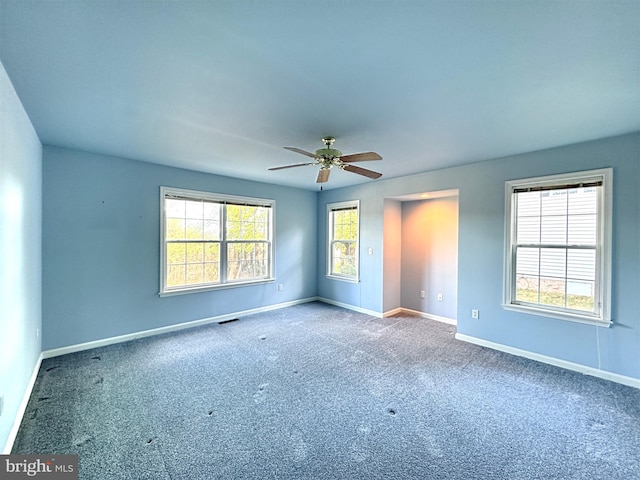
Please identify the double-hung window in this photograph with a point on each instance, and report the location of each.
(343, 251)
(558, 246)
(211, 240)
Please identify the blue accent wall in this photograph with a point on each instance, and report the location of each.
(481, 252)
(20, 253)
(101, 248)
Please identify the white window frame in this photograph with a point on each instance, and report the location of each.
(223, 199)
(602, 316)
(332, 207)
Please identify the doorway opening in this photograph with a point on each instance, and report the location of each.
(420, 271)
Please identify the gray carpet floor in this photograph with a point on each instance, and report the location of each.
(318, 392)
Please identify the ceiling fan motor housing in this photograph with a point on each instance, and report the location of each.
(328, 153)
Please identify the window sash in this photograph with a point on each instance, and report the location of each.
(554, 280)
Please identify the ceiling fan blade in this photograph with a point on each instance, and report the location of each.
(360, 157)
(292, 166)
(323, 175)
(303, 152)
(362, 171)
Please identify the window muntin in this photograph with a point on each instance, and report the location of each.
(211, 241)
(558, 246)
(343, 226)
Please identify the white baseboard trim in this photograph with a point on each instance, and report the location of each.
(349, 307)
(391, 313)
(170, 328)
(430, 316)
(576, 367)
(13, 433)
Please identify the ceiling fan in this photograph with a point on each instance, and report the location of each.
(328, 158)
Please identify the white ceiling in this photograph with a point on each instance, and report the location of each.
(222, 86)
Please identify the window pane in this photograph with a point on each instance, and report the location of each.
(554, 230)
(211, 272)
(553, 262)
(246, 260)
(528, 261)
(195, 253)
(195, 229)
(581, 264)
(553, 202)
(211, 230)
(552, 292)
(174, 208)
(175, 229)
(194, 274)
(582, 229)
(175, 275)
(247, 223)
(581, 295)
(344, 258)
(528, 204)
(527, 288)
(528, 230)
(211, 211)
(212, 252)
(194, 209)
(345, 225)
(176, 253)
(583, 201)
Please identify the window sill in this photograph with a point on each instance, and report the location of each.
(589, 320)
(343, 279)
(210, 288)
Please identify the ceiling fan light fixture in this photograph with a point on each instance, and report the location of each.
(329, 157)
(328, 153)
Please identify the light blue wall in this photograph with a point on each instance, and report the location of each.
(368, 293)
(481, 244)
(20, 252)
(101, 248)
(430, 256)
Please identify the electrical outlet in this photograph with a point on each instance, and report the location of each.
(421, 293)
(475, 313)
(1, 404)
(280, 287)
(440, 297)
